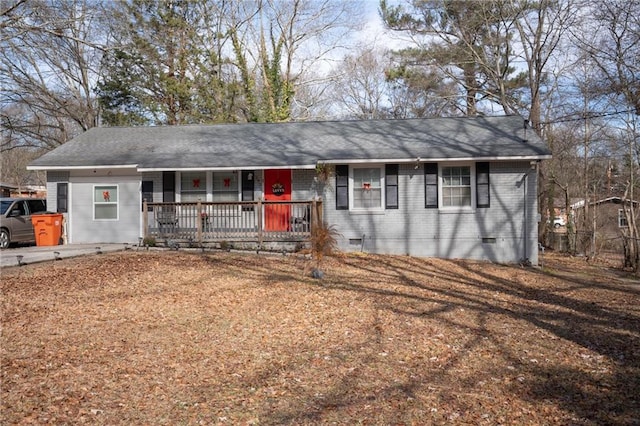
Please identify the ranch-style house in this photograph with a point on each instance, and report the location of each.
(436, 187)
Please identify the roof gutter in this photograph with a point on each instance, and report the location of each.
(297, 167)
(227, 168)
(430, 159)
(102, 167)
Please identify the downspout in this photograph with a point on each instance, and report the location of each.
(525, 258)
(525, 227)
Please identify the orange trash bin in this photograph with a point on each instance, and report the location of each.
(47, 228)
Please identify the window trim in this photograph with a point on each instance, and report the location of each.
(378, 166)
(206, 184)
(621, 217)
(59, 198)
(96, 203)
(208, 195)
(472, 186)
(211, 192)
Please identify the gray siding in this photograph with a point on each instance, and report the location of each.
(303, 186)
(495, 233)
(83, 228)
(156, 177)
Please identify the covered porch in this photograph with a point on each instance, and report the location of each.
(254, 222)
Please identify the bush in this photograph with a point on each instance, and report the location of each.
(149, 242)
(324, 241)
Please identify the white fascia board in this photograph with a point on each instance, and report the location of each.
(429, 159)
(192, 169)
(122, 166)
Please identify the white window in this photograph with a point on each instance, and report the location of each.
(105, 202)
(457, 183)
(622, 219)
(367, 193)
(225, 186)
(193, 186)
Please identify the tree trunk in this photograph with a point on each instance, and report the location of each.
(630, 244)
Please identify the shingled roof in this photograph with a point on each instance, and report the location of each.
(297, 144)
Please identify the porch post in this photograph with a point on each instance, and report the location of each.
(145, 219)
(259, 213)
(199, 221)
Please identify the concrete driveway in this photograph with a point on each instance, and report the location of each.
(21, 255)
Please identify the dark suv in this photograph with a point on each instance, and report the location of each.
(15, 219)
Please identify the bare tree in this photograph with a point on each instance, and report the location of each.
(614, 51)
(215, 60)
(13, 167)
(615, 48)
(360, 86)
(541, 31)
(278, 46)
(48, 66)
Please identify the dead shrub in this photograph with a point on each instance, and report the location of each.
(324, 241)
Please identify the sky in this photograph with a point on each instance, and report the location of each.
(374, 34)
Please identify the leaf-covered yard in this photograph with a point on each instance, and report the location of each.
(225, 338)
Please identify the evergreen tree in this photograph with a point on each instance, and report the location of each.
(165, 68)
(466, 42)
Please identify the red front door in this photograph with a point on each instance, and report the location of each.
(277, 187)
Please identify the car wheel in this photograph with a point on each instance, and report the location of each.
(4, 239)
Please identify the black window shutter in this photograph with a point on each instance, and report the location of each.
(431, 185)
(483, 196)
(391, 186)
(168, 187)
(342, 187)
(147, 193)
(62, 197)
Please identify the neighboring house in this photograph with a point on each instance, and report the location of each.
(609, 219)
(6, 189)
(441, 187)
(28, 191)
